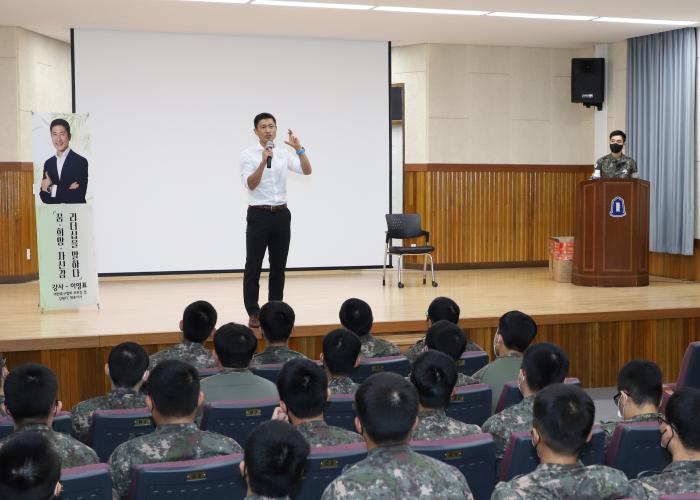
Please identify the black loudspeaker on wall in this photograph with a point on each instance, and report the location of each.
(588, 81)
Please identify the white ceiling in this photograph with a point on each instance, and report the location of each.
(54, 18)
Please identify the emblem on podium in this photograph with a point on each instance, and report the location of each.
(617, 207)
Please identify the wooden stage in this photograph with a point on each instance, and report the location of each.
(601, 328)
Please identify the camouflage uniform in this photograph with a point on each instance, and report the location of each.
(372, 347)
(342, 385)
(72, 452)
(677, 477)
(435, 424)
(622, 168)
(398, 472)
(417, 349)
(168, 443)
(318, 433)
(275, 355)
(516, 418)
(609, 427)
(193, 353)
(464, 379)
(260, 497)
(118, 399)
(556, 481)
(2, 401)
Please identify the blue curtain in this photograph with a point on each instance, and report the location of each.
(661, 132)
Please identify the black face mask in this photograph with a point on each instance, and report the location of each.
(616, 148)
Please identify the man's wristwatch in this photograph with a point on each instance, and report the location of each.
(301, 151)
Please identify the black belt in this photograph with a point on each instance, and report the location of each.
(270, 208)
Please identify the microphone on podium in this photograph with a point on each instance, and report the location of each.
(270, 145)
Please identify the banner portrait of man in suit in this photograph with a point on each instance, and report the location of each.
(65, 175)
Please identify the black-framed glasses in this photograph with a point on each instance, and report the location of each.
(616, 398)
(662, 420)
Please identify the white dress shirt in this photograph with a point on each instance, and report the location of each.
(60, 160)
(272, 189)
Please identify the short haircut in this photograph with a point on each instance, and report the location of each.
(30, 392)
(275, 455)
(235, 345)
(517, 329)
(263, 116)
(341, 348)
(447, 338)
(277, 321)
(356, 316)
(563, 415)
(642, 380)
(198, 321)
(127, 363)
(387, 406)
(620, 133)
(29, 467)
(303, 386)
(434, 374)
(683, 413)
(443, 308)
(174, 388)
(60, 122)
(544, 364)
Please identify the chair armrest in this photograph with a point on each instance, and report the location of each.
(388, 240)
(427, 236)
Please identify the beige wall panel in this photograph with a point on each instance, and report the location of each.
(448, 83)
(530, 142)
(530, 93)
(447, 140)
(489, 123)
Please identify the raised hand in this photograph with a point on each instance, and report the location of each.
(293, 140)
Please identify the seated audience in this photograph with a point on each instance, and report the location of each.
(234, 346)
(434, 375)
(127, 369)
(29, 468)
(30, 399)
(173, 398)
(340, 356)
(387, 413)
(516, 331)
(680, 435)
(356, 316)
(273, 461)
(197, 324)
(276, 325)
(543, 364)
(449, 339)
(3, 376)
(639, 391)
(303, 390)
(562, 421)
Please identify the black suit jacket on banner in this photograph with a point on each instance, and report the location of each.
(75, 169)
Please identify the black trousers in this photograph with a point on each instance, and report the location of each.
(271, 231)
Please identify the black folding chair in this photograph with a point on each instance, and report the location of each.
(403, 226)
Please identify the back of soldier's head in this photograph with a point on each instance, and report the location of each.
(198, 321)
(29, 467)
(173, 386)
(642, 381)
(544, 364)
(563, 416)
(341, 348)
(303, 386)
(434, 374)
(275, 456)
(387, 405)
(127, 363)
(683, 414)
(277, 321)
(443, 308)
(447, 338)
(356, 316)
(235, 345)
(30, 393)
(517, 329)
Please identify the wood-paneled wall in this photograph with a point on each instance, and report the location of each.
(684, 267)
(17, 223)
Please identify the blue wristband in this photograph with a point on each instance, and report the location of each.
(301, 151)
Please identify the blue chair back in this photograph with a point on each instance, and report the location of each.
(267, 371)
(472, 361)
(471, 404)
(61, 423)
(324, 465)
(237, 419)
(110, 428)
(689, 375)
(89, 482)
(511, 395)
(636, 447)
(370, 366)
(340, 411)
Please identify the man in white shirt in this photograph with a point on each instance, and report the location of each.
(264, 174)
(65, 176)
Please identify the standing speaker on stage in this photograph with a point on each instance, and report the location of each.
(264, 174)
(616, 165)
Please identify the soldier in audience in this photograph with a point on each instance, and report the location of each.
(680, 435)
(448, 338)
(356, 316)
(127, 368)
(276, 324)
(3, 376)
(173, 399)
(639, 390)
(29, 468)
(562, 421)
(543, 364)
(197, 324)
(273, 461)
(303, 390)
(387, 413)
(234, 346)
(434, 374)
(340, 356)
(30, 399)
(516, 331)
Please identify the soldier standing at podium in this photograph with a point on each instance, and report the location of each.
(616, 165)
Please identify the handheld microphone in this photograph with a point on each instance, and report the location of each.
(270, 145)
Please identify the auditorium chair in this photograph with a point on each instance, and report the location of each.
(689, 374)
(61, 423)
(406, 226)
(636, 447)
(237, 419)
(472, 361)
(324, 465)
(681, 496)
(470, 404)
(88, 482)
(474, 456)
(370, 366)
(215, 478)
(267, 371)
(340, 411)
(110, 428)
(511, 395)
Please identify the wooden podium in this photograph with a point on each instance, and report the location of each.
(612, 233)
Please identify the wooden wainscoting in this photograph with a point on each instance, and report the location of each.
(683, 267)
(17, 223)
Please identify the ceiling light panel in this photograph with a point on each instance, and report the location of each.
(315, 5)
(421, 10)
(555, 17)
(630, 20)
